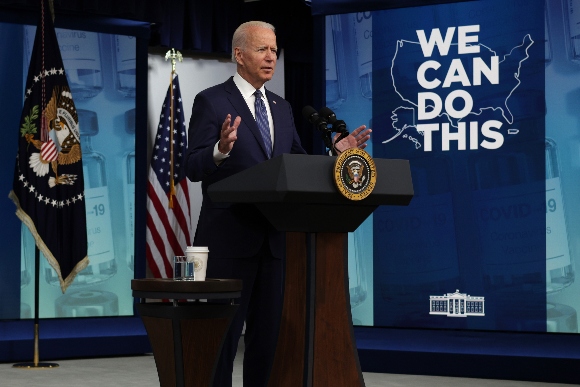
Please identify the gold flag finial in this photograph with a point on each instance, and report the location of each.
(175, 56)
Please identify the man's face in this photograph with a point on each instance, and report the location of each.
(257, 61)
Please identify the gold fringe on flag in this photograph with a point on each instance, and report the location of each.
(80, 266)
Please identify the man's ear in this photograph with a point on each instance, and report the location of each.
(238, 55)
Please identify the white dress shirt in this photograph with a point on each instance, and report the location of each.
(247, 91)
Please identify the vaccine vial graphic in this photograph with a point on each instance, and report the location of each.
(125, 57)
(81, 56)
(559, 266)
(571, 10)
(129, 191)
(561, 318)
(102, 264)
(100, 236)
(510, 221)
(87, 303)
(363, 29)
(335, 78)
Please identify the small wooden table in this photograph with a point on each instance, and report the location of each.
(186, 334)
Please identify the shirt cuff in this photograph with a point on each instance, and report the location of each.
(219, 157)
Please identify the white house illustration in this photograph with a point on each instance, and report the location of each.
(457, 305)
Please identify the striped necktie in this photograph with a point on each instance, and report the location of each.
(262, 121)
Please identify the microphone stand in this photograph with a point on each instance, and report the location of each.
(338, 126)
(326, 136)
(326, 133)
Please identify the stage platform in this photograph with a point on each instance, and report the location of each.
(551, 358)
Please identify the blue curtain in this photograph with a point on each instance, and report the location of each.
(329, 7)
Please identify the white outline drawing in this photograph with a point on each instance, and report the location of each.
(507, 114)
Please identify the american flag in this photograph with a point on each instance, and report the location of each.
(168, 216)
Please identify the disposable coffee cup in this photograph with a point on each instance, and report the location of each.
(198, 255)
(182, 269)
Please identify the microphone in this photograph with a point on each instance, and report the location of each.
(314, 118)
(338, 126)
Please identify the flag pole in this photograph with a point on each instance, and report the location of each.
(35, 363)
(174, 56)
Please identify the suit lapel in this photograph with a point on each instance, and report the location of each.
(238, 102)
(277, 114)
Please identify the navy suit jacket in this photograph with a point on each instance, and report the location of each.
(234, 230)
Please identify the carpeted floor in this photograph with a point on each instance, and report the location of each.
(140, 371)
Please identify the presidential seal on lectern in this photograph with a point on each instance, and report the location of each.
(355, 174)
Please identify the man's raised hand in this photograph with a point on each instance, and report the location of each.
(358, 138)
(228, 134)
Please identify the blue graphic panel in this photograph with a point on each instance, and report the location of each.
(458, 89)
(493, 233)
(101, 72)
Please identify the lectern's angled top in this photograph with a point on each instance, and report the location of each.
(292, 178)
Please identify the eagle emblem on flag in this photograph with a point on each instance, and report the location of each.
(63, 143)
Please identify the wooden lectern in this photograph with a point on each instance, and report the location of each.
(297, 194)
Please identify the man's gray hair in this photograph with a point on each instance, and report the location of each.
(240, 38)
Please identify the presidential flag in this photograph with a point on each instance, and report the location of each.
(48, 187)
(168, 207)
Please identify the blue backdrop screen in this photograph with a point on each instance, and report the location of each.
(101, 72)
(479, 97)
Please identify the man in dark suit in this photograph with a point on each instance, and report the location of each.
(242, 244)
